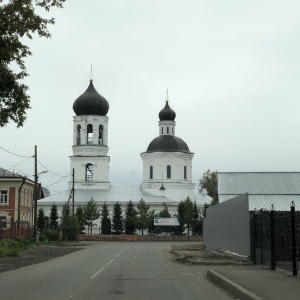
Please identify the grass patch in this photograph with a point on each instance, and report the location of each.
(11, 248)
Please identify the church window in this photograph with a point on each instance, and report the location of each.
(78, 135)
(172, 130)
(162, 130)
(167, 130)
(184, 172)
(100, 134)
(168, 171)
(151, 172)
(89, 173)
(90, 134)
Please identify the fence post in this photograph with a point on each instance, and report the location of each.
(272, 238)
(293, 230)
(254, 237)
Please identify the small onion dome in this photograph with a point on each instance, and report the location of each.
(168, 143)
(167, 113)
(91, 103)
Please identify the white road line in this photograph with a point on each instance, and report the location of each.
(118, 255)
(92, 277)
(110, 261)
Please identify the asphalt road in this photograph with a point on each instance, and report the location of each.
(111, 271)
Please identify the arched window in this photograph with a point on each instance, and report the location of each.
(78, 135)
(184, 172)
(89, 134)
(89, 173)
(151, 172)
(100, 134)
(168, 171)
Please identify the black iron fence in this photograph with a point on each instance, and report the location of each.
(12, 229)
(275, 238)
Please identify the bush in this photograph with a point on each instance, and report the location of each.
(9, 247)
(51, 234)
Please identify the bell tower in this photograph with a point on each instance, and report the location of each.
(90, 141)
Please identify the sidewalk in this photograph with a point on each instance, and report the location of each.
(243, 280)
(256, 282)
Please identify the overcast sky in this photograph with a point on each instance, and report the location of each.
(231, 68)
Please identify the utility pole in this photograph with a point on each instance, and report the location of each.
(73, 191)
(35, 191)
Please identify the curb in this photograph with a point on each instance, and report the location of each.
(233, 288)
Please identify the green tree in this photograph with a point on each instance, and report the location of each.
(188, 213)
(19, 19)
(117, 219)
(143, 219)
(130, 221)
(66, 212)
(185, 215)
(151, 228)
(53, 217)
(197, 220)
(209, 181)
(105, 220)
(164, 213)
(91, 214)
(180, 216)
(41, 219)
(80, 218)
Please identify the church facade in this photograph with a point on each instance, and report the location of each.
(167, 162)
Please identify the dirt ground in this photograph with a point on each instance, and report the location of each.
(36, 255)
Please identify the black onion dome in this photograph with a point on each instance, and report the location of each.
(167, 113)
(91, 103)
(168, 143)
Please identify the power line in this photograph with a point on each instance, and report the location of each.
(51, 171)
(15, 153)
(57, 181)
(19, 163)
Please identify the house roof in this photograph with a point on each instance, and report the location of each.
(259, 183)
(265, 189)
(257, 202)
(6, 173)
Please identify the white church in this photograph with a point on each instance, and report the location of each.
(167, 163)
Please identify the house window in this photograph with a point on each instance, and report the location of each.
(89, 134)
(100, 134)
(78, 135)
(151, 172)
(2, 222)
(184, 172)
(168, 171)
(172, 130)
(3, 197)
(167, 130)
(162, 130)
(89, 173)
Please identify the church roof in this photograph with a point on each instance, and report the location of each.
(114, 194)
(91, 103)
(168, 143)
(167, 113)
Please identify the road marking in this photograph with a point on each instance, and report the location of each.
(118, 255)
(110, 261)
(92, 277)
